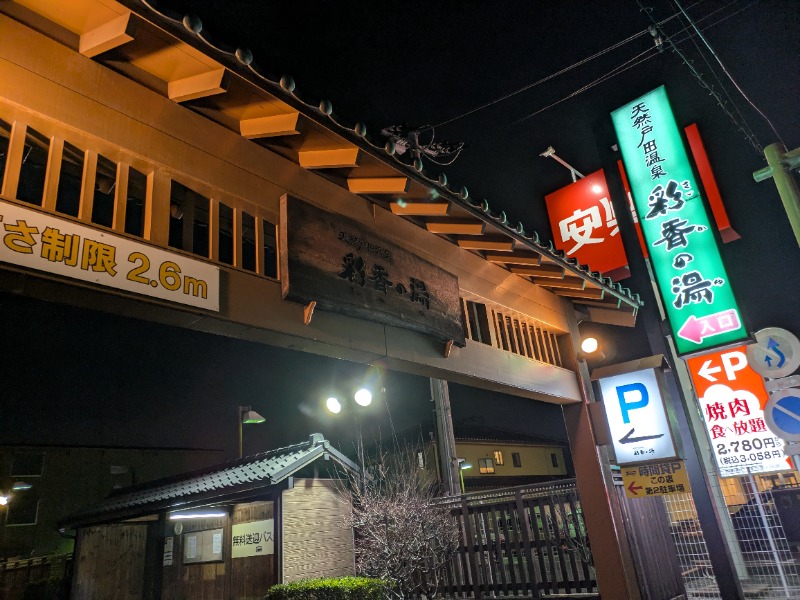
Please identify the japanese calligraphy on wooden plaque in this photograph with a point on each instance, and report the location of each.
(345, 267)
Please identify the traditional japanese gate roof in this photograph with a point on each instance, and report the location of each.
(222, 483)
(174, 56)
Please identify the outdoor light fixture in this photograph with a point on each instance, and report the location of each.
(204, 515)
(333, 405)
(589, 345)
(249, 416)
(463, 465)
(363, 397)
(3, 500)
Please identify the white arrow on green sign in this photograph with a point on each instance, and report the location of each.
(692, 280)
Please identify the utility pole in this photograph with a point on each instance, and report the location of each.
(780, 166)
(445, 441)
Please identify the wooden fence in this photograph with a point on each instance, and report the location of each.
(17, 574)
(526, 541)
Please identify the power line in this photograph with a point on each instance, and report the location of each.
(552, 75)
(627, 64)
(741, 126)
(725, 70)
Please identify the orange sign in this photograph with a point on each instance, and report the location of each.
(732, 399)
(585, 226)
(655, 479)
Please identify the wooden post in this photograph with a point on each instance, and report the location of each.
(156, 209)
(616, 576)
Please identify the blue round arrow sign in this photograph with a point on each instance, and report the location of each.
(782, 414)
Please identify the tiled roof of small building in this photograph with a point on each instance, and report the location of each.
(207, 485)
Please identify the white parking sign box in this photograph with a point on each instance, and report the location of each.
(637, 417)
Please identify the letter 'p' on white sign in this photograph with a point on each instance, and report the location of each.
(637, 418)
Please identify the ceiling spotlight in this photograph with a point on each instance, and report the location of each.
(589, 345)
(333, 405)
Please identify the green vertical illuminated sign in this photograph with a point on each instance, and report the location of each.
(691, 278)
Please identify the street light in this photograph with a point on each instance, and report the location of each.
(248, 416)
(363, 397)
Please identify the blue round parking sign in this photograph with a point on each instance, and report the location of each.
(782, 414)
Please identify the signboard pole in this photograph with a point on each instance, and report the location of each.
(708, 513)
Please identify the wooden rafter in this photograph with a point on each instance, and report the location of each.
(377, 185)
(270, 126)
(516, 258)
(589, 294)
(198, 86)
(455, 226)
(498, 244)
(410, 208)
(568, 283)
(545, 271)
(336, 158)
(119, 30)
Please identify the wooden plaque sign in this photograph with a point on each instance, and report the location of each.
(345, 267)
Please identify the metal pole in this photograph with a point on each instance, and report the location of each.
(240, 412)
(708, 513)
(765, 523)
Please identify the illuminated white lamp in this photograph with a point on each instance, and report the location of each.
(363, 397)
(3, 500)
(198, 515)
(589, 345)
(333, 405)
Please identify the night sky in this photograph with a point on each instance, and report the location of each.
(101, 379)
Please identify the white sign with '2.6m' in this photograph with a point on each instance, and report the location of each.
(40, 241)
(637, 417)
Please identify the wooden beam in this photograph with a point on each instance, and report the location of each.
(14, 160)
(455, 227)
(88, 182)
(378, 185)
(568, 283)
(52, 174)
(515, 258)
(198, 86)
(119, 30)
(420, 209)
(120, 198)
(546, 271)
(271, 126)
(329, 159)
(590, 294)
(487, 243)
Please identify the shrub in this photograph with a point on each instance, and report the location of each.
(333, 588)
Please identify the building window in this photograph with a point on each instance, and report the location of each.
(554, 459)
(515, 458)
(22, 509)
(27, 464)
(498, 457)
(486, 466)
(34, 166)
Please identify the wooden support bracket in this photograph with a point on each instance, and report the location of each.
(308, 312)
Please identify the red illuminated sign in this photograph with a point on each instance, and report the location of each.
(585, 226)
